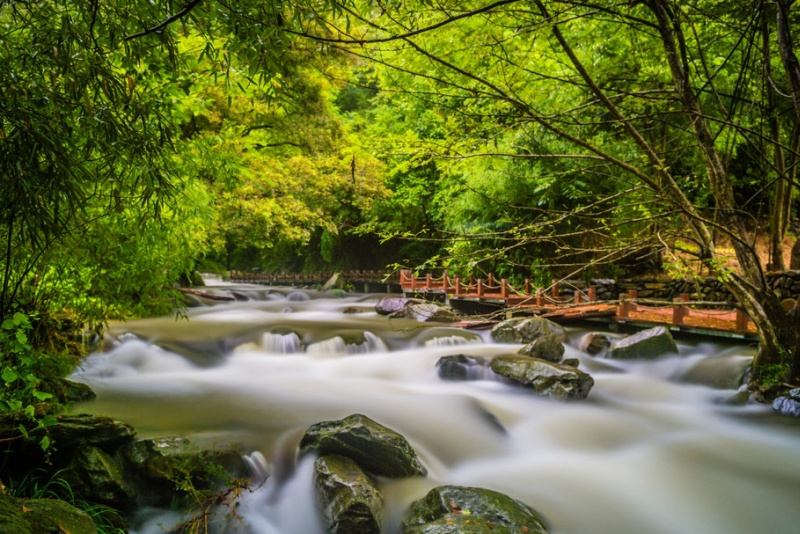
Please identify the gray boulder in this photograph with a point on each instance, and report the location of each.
(465, 510)
(527, 330)
(546, 348)
(647, 344)
(461, 367)
(349, 501)
(789, 404)
(376, 448)
(546, 378)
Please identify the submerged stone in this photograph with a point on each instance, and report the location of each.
(348, 499)
(467, 510)
(647, 344)
(527, 330)
(461, 367)
(595, 343)
(377, 449)
(546, 378)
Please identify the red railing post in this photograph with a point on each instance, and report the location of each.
(480, 288)
(503, 288)
(593, 294)
(680, 311)
(527, 286)
(428, 281)
(741, 320)
(539, 297)
(457, 284)
(622, 307)
(554, 290)
(445, 281)
(578, 296)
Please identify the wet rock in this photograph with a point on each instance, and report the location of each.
(392, 305)
(42, 516)
(571, 362)
(96, 476)
(595, 343)
(466, 510)
(461, 367)
(349, 501)
(158, 463)
(719, 373)
(546, 348)
(428, 312)
(647, 344)
(526, 330)
(74, 431)
(297, 296)
(789, 404)
(547, 379)
(376, 448)
(352, 309)
(67, 391)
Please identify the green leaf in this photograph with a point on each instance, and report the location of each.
(42, 395)
(49, 420)
(45, 443)
(9, 375)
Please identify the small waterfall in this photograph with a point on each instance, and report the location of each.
(277, 343)
(367, 343)
(450, 341)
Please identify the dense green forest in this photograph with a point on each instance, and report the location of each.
(142, 140)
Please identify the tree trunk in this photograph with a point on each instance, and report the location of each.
(778, 340)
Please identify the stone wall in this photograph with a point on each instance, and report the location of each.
(786, 284)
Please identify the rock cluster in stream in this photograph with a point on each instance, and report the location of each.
(102, 461)
(788, 404)
(540, 365)
(355, 452)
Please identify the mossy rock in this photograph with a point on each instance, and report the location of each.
(547, 348)
(349, 501)
(42, 516)
(377, 449)
(527, 330)
(468, 510)
(645, 345)
(98, 477)
(546, 378)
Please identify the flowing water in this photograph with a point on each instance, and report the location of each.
(651, 450)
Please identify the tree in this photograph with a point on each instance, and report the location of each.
(658, 95)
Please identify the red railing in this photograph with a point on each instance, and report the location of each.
(680, 312)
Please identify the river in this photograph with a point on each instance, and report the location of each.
(651, 450)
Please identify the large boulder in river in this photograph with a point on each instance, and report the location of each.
(547, 379)
(546, 348)
(788, 404)
(42, 516)
(527, 330)
(465, 510)
(377, 449)
(348, 499)
(647, 344)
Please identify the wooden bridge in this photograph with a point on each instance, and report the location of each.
(680, 315)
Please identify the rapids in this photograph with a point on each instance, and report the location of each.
(651, 450)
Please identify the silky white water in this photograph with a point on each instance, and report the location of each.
(651, 450)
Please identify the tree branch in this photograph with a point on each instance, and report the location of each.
(169, 20)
